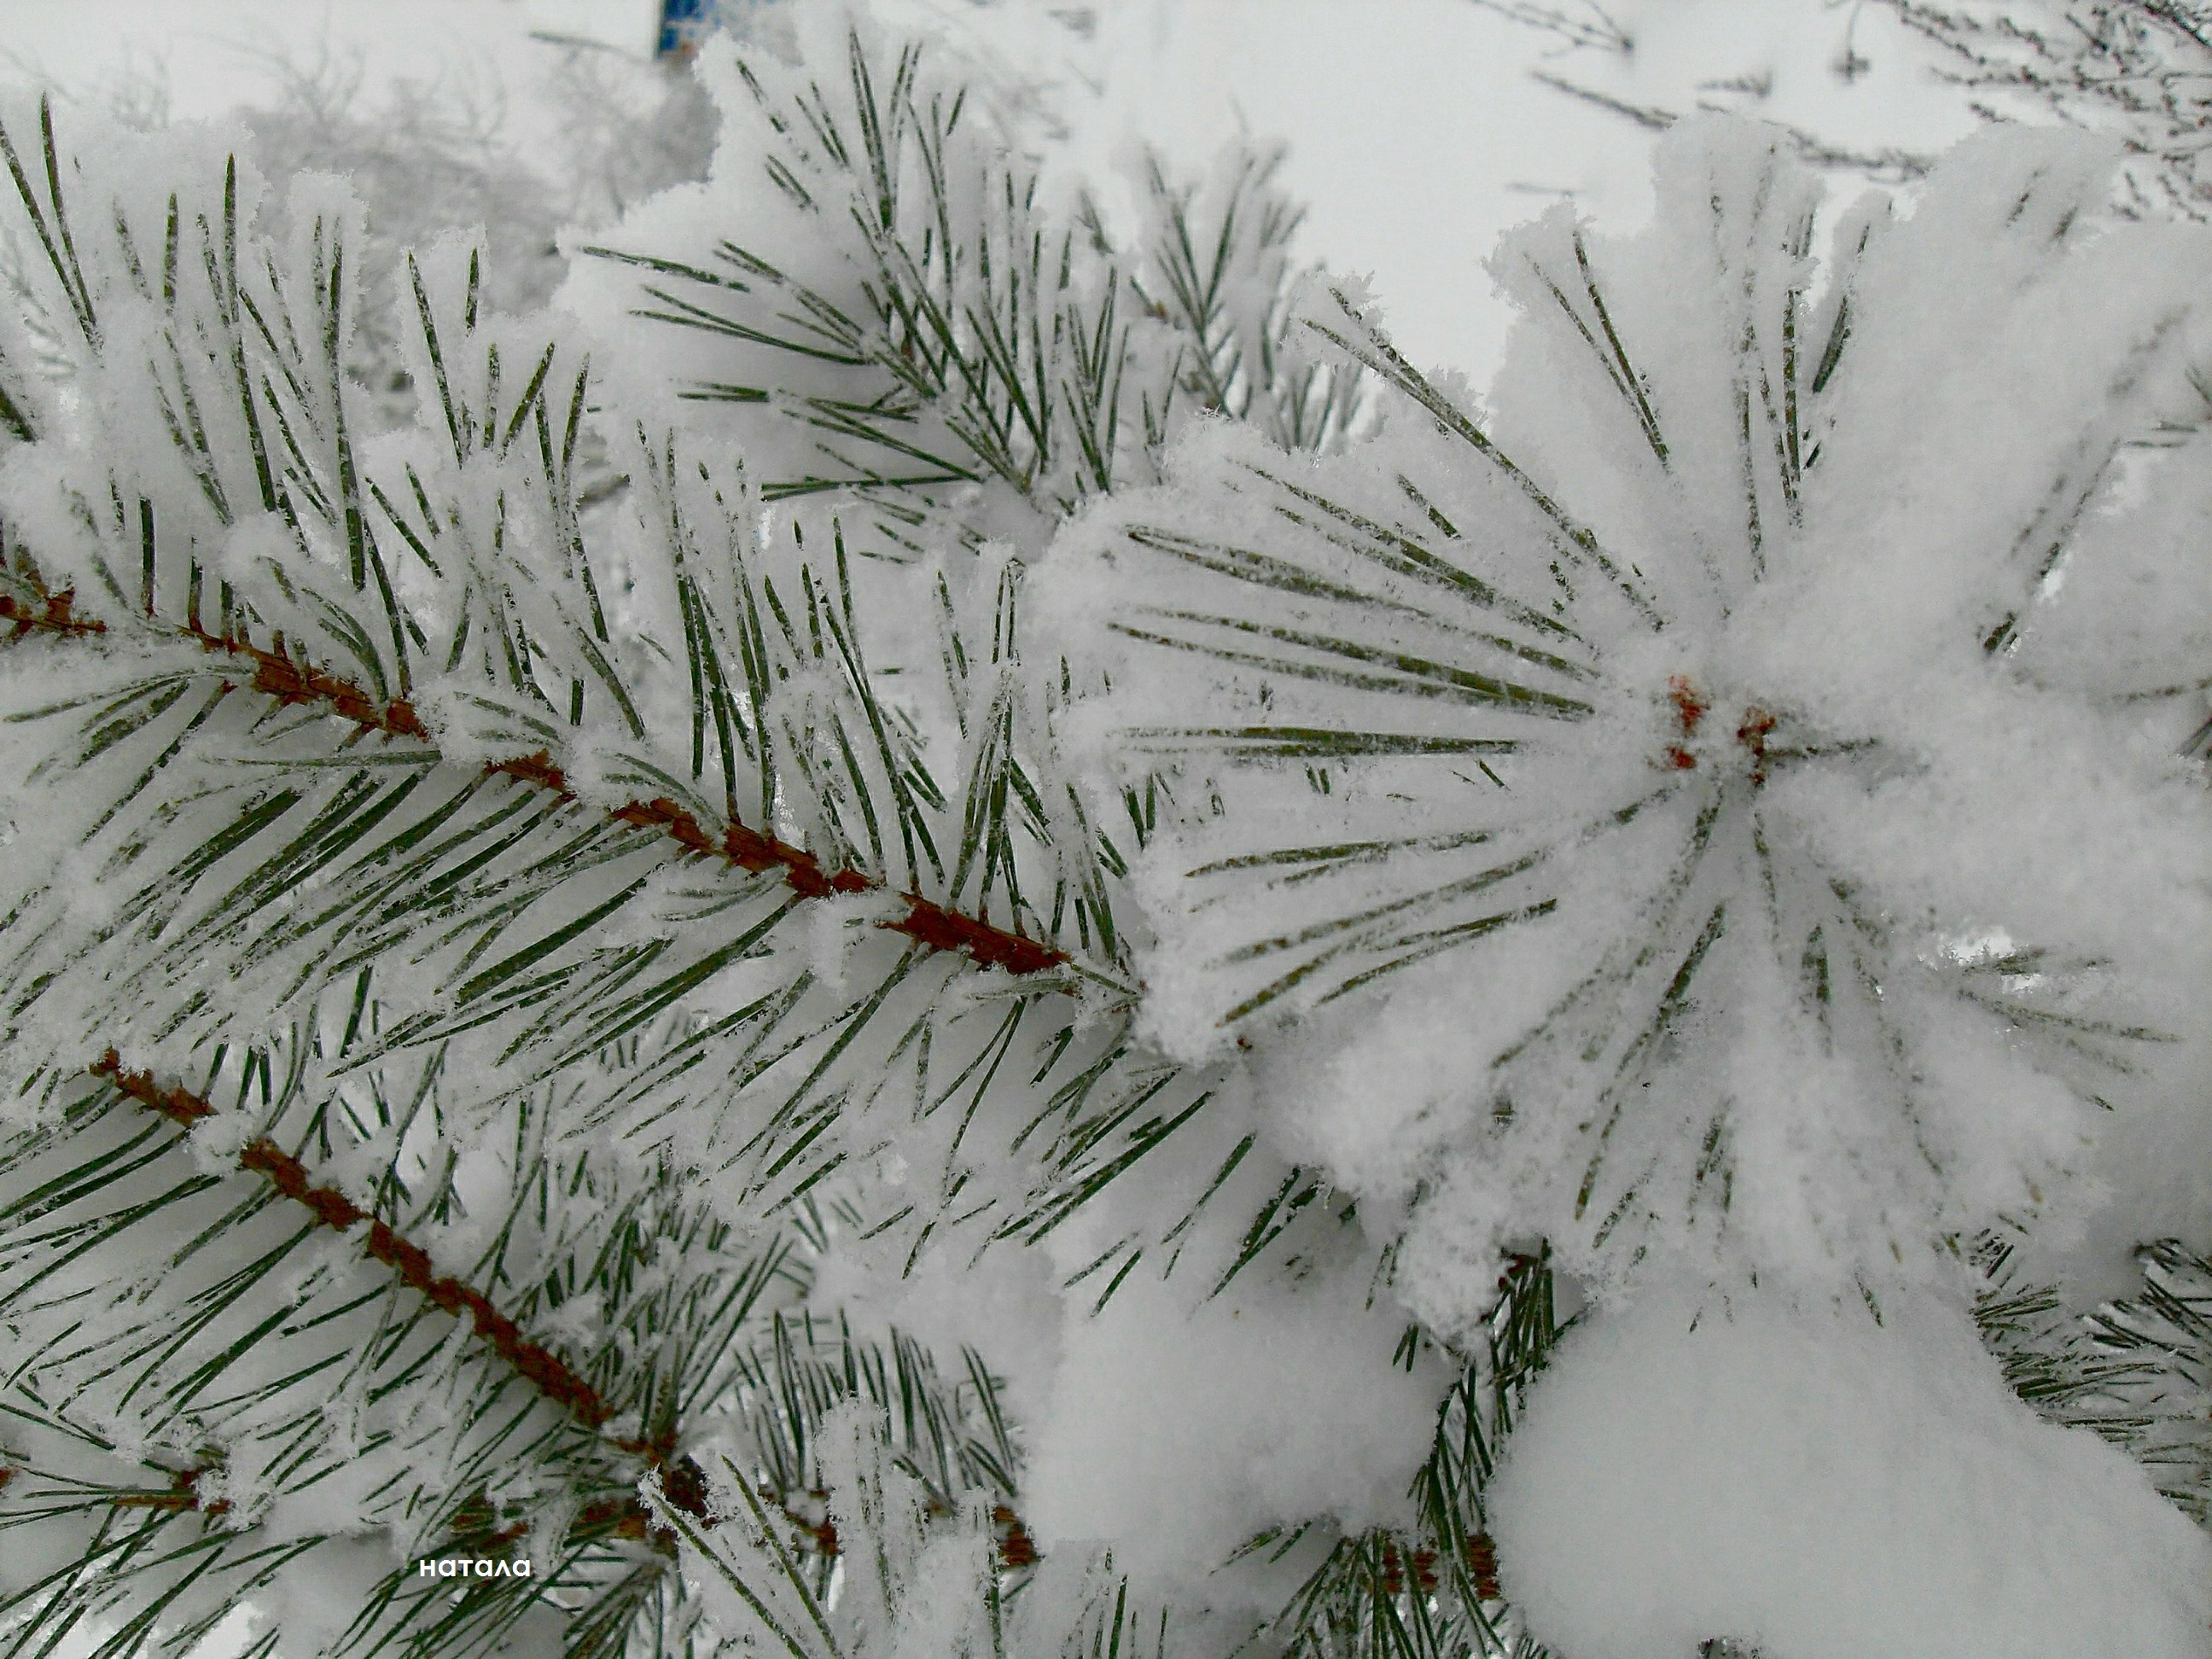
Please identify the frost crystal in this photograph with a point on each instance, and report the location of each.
(1639, 814)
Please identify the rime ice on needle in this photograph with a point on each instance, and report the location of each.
(1596, 811)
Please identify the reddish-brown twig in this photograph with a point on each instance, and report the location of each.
(682, 1482)
(54, 615)
(532, 1361)
(1481, 1567)
(278, 674)
(183, 1493)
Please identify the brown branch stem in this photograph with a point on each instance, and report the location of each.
(682, 1482)
(278, 674)
(1481, 1567)
(536, 1364)
(52, 616)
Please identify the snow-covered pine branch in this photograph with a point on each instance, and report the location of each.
(684, 1037)
(910, 319)
(1610, 812)
(521, 880)
(2134, 69)
(1721, 805)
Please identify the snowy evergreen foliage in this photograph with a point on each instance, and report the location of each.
(1618, 793)
(429, 156)
(1085, 969)
(2136, 69)
(1599, 56)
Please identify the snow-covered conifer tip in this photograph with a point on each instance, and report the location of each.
(1682, 808)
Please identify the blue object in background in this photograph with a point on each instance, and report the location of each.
(682, 23)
